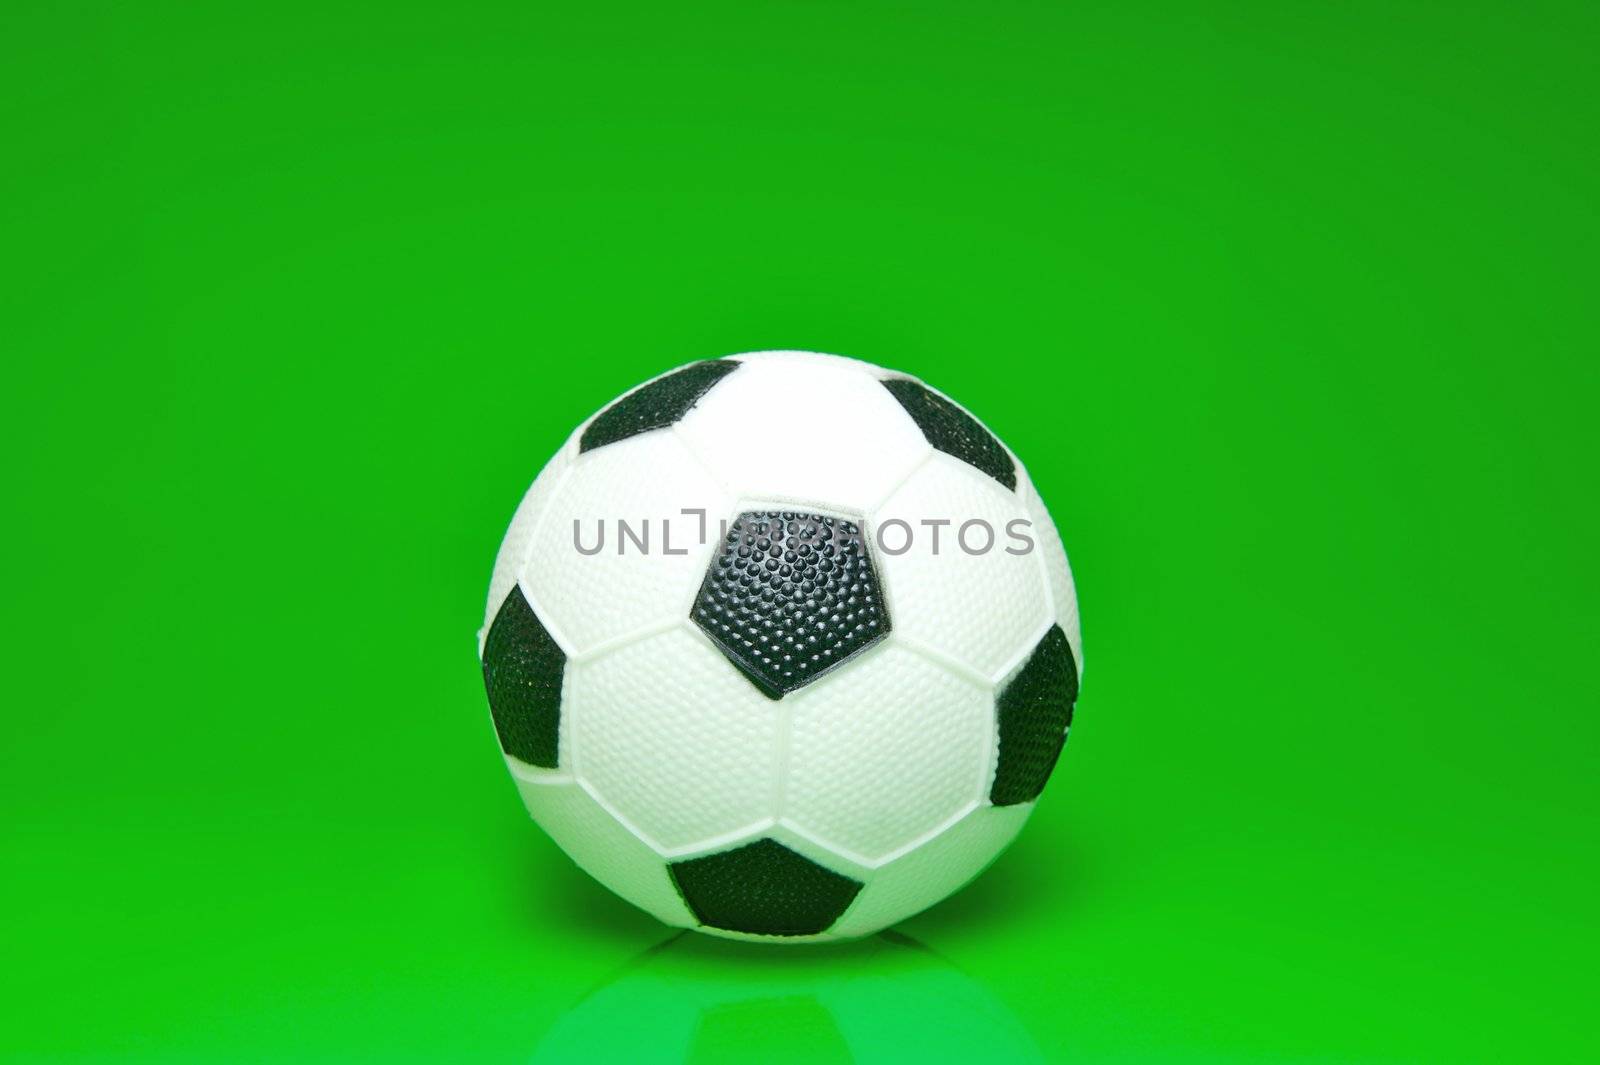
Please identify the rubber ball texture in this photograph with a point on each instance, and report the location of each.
(1035, 713)
(791, 596)
(522, 669)
(952, 430)
(764, 888)
(656, 405)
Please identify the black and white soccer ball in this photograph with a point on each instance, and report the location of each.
(782, 645)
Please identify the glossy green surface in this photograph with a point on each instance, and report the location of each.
(1289, 308)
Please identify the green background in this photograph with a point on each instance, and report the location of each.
(1289, 308)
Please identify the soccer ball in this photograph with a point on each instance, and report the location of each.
(781, 645)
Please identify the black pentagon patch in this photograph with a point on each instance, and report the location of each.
(952, 430)
(1034, 711)
(522, 669)
(763, 888)
(791, 596)
(657, 405)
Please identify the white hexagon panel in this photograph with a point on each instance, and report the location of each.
(826, 686)
(950, 549)
(601, 845)
(613, 553)
(884, 754)
(933, 870)
(792, 428)
(674, 742)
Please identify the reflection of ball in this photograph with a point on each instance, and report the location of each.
(782, 645)
(882, 999)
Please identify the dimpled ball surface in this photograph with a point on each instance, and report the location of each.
(782, 646)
